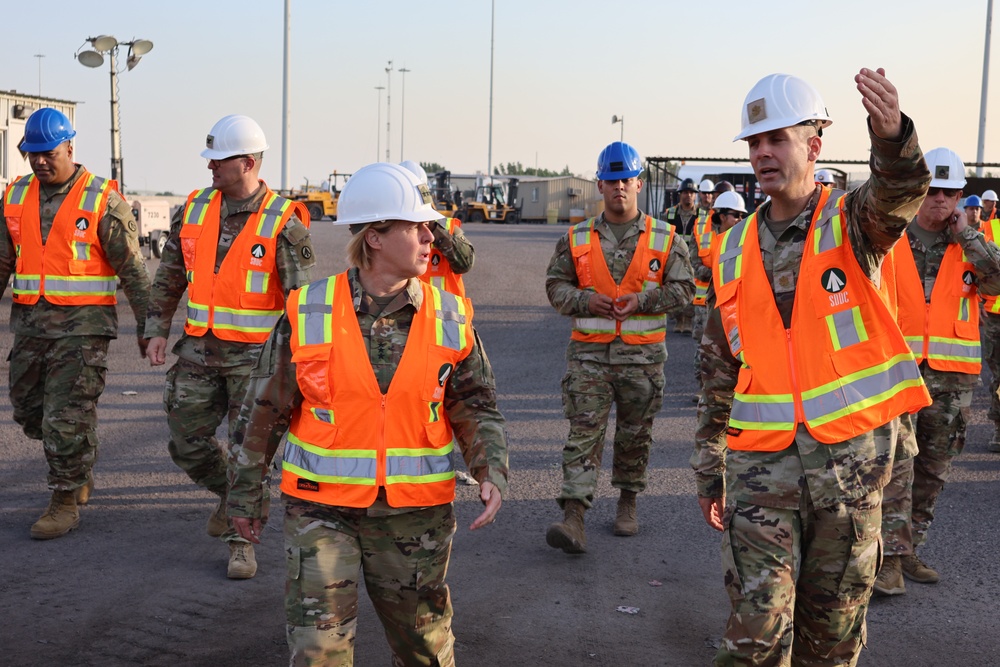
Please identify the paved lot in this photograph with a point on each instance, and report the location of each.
(139, 583)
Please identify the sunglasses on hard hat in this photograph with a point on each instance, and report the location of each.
(948, 192)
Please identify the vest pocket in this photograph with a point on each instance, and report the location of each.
(966, 330)
(258, 301)
(84, 267)
(312, 365)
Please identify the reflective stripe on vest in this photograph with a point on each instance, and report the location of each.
(19, 190)
(991, 230)
(333, 466)
(450, 319)
(195, 213)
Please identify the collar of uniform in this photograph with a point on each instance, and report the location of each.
(413, 295)
(802, 220)
(48, 192)
(604, 226)
(249, 205)
(944, 237)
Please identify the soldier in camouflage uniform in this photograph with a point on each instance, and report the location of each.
(684, 216)
(940, 428)
(401, 550)
(59, 358)
(208, 382)
(801, 525)
(607, 369)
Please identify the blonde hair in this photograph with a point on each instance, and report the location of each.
(359, 253)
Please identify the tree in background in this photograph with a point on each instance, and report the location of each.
(432, 167)
(518, 169)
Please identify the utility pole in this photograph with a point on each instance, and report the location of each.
(388, 91)
(39, 56)
(981, 147)
(402, 113)
(286, 124)
(378, 124)
(489, 150)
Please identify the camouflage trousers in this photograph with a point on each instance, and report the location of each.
(54, 387)
(897, 500)
(697, 330)
(588, 390)
(940, 438)
(404, 561)
(991, 355)
(799, 582)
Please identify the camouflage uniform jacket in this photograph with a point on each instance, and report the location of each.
(675, 293)
(682, 221)
(455, 248)
(984, 256)
(293, 258)
(119, 241)
(273, 395)
(876, 214)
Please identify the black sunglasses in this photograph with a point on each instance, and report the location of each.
(948, 192)
(736, 214)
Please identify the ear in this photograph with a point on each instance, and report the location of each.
(815, 144)
(600, 186)
(638, 185)
(373, 239)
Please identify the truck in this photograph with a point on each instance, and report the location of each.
(446, 202)
(153, 217)
(321, 200)
(489, 203)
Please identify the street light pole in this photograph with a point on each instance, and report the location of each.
(619, 119)
(39, 56)
(981, 147)
(402, 113)
(378, 124)
(388, 91)
(116, 136)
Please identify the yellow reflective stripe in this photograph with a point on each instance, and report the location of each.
(420, 451)
(420, 479)
(831, 327)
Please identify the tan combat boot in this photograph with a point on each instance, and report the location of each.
(890, 578)
(84, 492)
(61, 517)
(569, 534)
(917, 570)
(626, 524)
(242, 562)
(218, 522)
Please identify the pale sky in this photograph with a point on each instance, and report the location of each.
(677, 71)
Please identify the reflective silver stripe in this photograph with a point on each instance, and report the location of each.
(941, 349)
(450, 320)
(257, 282)
(418, 466)
(916, 344)
(330, 466)
(437, 282)
(645, 324)
(594, 325)
(271, 215)
(82, 250)
(729, 258)
(19, 190)
(862, 390)
(197, 315)
(195, 212)
(68, 287)
(847, 331)
(752, 412)
(700, 290)
(27, 285)
(260, 320)
(659, 236)
(92, 194)
(580, 234)
(325, 416)
(735, 344)
(827, 237)
(963, 309)
(316, 311)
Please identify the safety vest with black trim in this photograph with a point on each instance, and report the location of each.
(991, 230)
(844, 369)
(70, 268)
(945, 331)
(439, 272)
(241, 302)
(704, 237)
(700, 215)
(347, 439)
(645, 272)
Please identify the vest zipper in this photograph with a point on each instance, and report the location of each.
(796, 395)
(380, 453)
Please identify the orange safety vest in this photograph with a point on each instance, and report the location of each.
(704, 237)
(845, 368)
(644, 273)
(244, 300)
(347, 438)
(991, 230)
(439, 272)
(945, 331)
(70, 268)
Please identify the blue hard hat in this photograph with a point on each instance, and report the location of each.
(973, 200)
(618, 160)
(46, 129)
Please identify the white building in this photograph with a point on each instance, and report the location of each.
(15, 108)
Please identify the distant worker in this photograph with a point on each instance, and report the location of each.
(237, 248)
(451, 253)
(700, 246)
(68, 238)
(940, 274)
(990, 210)
(825, 176)
(805, 370)
(617, 276)
(973, 210)
(685, 216)
(375, 377)
(706, 193)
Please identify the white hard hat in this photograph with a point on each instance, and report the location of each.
(947, 169)
(415, 169)
(706, 186)
(824, 176)
(234, 135)
(730, 200)
(989, 195)
(384, 191)
(780, 100)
